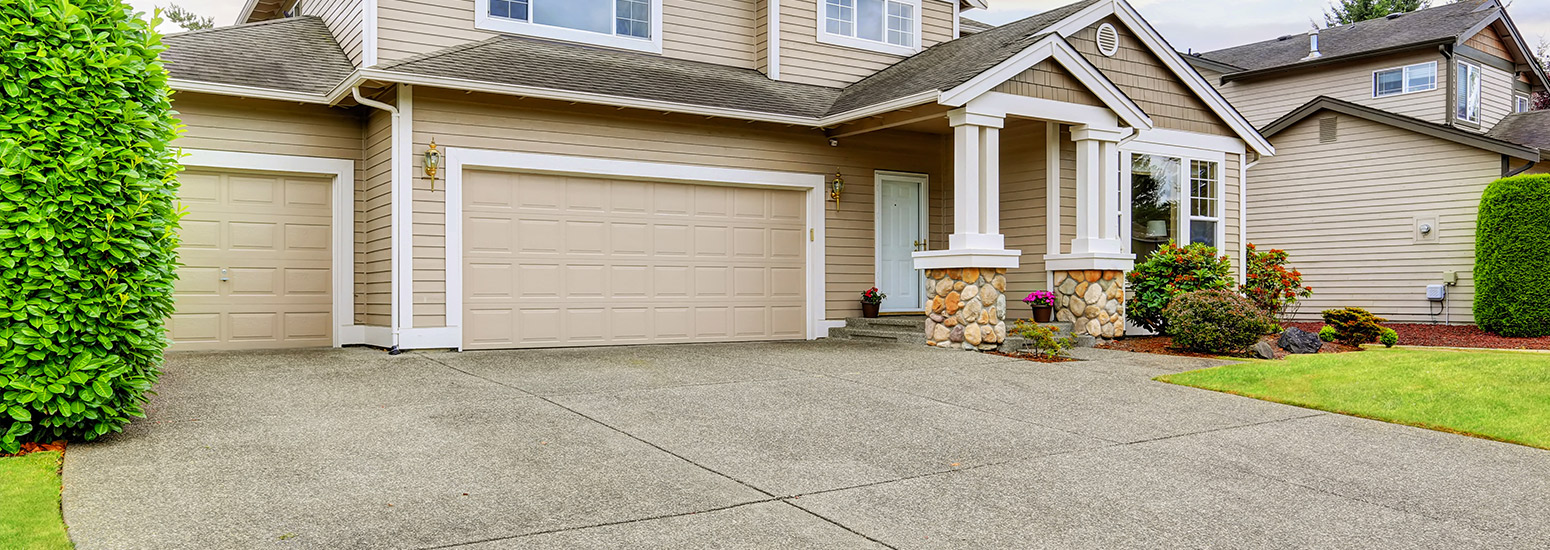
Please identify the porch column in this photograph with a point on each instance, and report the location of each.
(1090, 281)
(965, 282)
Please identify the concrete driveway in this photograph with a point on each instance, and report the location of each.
(785, 445)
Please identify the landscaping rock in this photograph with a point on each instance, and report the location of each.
(1264, 350)
(1300, 341)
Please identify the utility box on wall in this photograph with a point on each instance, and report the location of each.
(1436, 293)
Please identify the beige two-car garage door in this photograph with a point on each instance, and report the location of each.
(554, 261)
(257, 260)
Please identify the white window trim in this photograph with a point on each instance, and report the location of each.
(1520, 99)
(1185, 156)
(1404, 75)
(483, 20)
(1459, 80)
(825, 37)
(924, 181)
(458, 159)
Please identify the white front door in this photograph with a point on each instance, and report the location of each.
(901, 230)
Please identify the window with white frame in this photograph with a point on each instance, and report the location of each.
(1162, 212)
(1521, 104)
(1421, 77)
(884, 25)
(631, 24)
(1467, 96)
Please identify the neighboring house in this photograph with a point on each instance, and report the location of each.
(661, 171)
(1387, 132)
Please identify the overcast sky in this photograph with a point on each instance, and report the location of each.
(1201, 25)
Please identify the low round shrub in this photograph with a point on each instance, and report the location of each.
(1512, 270)
(1327, 333)
(1388, 338)
(1354, 326)
(1168, 273)
(1216, 321)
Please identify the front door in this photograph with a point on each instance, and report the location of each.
(901, 230)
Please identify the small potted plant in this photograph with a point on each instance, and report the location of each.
(1043, 304)
(871, 301)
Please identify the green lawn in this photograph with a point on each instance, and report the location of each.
(29, 489)
(1498, 395)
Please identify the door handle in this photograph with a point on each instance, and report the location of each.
(224, 276)
(920, 245)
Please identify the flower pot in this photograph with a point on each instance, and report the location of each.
(869, 311)
(1043, 314)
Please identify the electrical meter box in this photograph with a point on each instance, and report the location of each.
(1436, 293)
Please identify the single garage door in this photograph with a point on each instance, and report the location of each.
(554, 261)
(257, 262)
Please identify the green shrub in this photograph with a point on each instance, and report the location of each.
(1512, 268)
(1354, 326)
(87, 218)
(1327, 334)
(1216, 321)
(1270, 284)
(1388, 337)
(1169, 272)
(1041, 341)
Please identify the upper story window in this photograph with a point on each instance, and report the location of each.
(1521, 104)
(891, 26)
(1468, 93)
(627, 24)
(1421, 77)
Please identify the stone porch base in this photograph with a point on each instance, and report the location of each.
(968, 308)
(1092, 300)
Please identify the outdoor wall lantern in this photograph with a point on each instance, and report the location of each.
(432, 163)
(836, 187)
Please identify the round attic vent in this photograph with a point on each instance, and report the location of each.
(1108, 40)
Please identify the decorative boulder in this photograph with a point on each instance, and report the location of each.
(1264, 350)
(1300, 341)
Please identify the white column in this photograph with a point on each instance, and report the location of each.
(1097, 191)
(976, 240)
(967, 139)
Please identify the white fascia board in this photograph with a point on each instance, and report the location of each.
(998, 104)
(195, 86)
(1205, 142)
(1053, 47)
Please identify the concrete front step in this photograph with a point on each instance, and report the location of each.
(911, 329)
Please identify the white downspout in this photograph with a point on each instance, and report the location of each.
(1243, 215)
(395, 175)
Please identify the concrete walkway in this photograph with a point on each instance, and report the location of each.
(788, 445)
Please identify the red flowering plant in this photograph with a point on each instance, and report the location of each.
(1039, 298)
(873, 296)
(1273, 287)
(1169, 272)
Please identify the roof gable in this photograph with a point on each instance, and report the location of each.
(1141, 75)
(1329, 104)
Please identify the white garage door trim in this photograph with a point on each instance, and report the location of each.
(343, 172)
(457, 159)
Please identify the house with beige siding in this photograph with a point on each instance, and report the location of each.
(481, 174)
(1387, 132)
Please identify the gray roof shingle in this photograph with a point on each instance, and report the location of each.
(297, 54)
(577, 68)
(968, 26)
(1420, 27)
(1531, 129)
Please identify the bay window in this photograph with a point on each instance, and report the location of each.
(891, 26)
(628, 24)
(1467, 97)
(1162, 212)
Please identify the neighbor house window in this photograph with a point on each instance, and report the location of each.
(883, 25)
(1468, 94)
(631, 24)
(1405, 80)
(1521, 104)
(1162, 212)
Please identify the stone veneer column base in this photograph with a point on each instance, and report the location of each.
(1092, 300)
(967, 309)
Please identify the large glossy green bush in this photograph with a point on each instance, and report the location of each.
(1216, 321)
(1169, 272)
(87, 218)
(1512, 257)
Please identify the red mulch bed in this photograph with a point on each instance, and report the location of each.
(1163, 345)
(29, 448)
(1465, 336)
(1035, 358)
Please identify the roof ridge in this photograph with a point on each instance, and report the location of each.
(292, 19)
(1349, 26)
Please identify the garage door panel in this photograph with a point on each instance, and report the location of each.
(272, 236)
(648, 262)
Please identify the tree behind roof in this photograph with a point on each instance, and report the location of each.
(1346, 12)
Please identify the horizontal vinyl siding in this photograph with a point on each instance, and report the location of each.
(1024, 186)
(1264, 101)
(713, 31)
(374, 274)
(346, 19)
(1496, 98)
(535, 126)
(1346, 212)
(803, 59)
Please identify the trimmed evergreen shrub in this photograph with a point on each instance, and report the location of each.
(1216, 321)
(1512, 265)
(1354, 326)
(1388, 337)
(1041, 340)
(88, 226)
(1327, 334)
(1169, 272)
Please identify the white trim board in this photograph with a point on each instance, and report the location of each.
(458, 159)
(1052, 47)
(343, 265)
(924, 181)
(772, 39)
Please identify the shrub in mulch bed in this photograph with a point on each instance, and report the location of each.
(1458, 336)
(1036, 357)
(29, 448)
